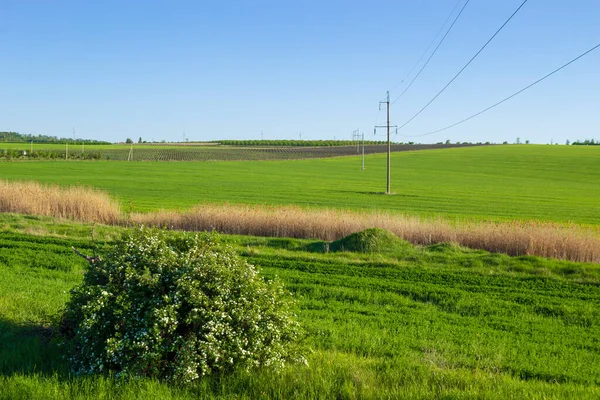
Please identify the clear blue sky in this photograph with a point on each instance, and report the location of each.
(231, 69)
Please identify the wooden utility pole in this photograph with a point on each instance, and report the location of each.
(389, 147)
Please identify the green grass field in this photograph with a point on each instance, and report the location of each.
(413, 322)
(553, 183)
(419, 323)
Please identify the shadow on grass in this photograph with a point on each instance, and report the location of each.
(375, 193)
(30, 348)
(312, 246)
(317, 246)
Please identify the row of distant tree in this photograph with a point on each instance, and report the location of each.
(282, 142)
(26, 138)
(586, 142)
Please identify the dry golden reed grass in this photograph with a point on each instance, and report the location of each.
(74, 202)
(568, 242)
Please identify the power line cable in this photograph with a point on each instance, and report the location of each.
(428, 47)
(466, 65)
(509, 97)
(434, 51)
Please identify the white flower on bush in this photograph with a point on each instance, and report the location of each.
(176, 306)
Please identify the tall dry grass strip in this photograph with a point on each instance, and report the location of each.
(568, 242)
(74, 202)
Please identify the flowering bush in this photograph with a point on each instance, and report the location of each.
(177, 307)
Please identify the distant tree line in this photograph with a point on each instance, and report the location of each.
(305, 143)
(447, 142)
(586, 142)
(15, 137)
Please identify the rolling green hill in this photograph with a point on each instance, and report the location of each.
(553, 183)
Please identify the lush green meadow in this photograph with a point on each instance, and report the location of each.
(555, 183)
(410, 322)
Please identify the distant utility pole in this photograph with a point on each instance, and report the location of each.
(363, 151)
(389, 147)
(261, 135)
(356, 139)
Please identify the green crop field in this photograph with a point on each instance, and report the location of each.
(192, 152)
(552, 183)
(406, 322)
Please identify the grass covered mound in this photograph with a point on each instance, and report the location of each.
(373, 240)
(175, 307)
